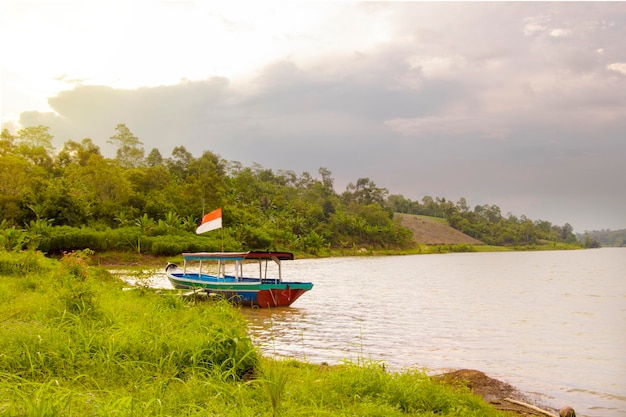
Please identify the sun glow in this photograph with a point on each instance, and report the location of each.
(51, 47)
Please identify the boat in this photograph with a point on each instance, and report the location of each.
(241, 277)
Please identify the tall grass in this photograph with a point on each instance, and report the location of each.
(274, 380)
(72, 343)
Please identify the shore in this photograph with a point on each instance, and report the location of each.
(500, 395)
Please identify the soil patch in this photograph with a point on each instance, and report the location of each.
(497, 393)
(431, 231)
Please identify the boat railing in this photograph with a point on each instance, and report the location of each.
(238, 273)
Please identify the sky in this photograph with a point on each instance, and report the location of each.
(516, 104)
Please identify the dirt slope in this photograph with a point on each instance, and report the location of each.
(431, 231)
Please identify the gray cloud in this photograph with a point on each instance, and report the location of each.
(522, 105)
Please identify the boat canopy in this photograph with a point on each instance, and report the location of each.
(240, 256)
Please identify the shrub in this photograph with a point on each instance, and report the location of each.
(23, 263)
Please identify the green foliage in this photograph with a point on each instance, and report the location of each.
(12, 238)
(35, 143)
(20, 182)
(486, 223)
(75, 263)
(74, 342)
(65, 238)
(62, 239)
(603, 238)
(23, 263)
(175, 245)
(129, 152)
(364, 389)
(79, 199)
(275, 375)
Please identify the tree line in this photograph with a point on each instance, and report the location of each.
(76, 198)
(486, 222)
(603, 238)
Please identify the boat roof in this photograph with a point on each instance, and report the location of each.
(253, 255)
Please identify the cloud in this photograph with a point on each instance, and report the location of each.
(524, 111)
(448, 126)
(535, 25)
(560, 33)
(617, 67)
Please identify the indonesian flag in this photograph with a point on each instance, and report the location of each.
(210, 221)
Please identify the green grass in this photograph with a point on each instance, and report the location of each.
(72, 343)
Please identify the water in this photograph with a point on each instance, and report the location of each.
(552, 324)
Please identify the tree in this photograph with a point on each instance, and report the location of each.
(430, 208)
(399, 204)
(591, 243)
(567, 233)
(365, 192)
(36, 137)
(179, 163)
(130, 152)
(528, 231)
(327, 178)
(77, 153)
(103, 185)
(462, 205)
(67, 202)
(154, 158)
(7, 143)
(19, 182)
(152, 190)
(35, 144)
(204, 185)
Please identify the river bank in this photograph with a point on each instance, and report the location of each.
(75, 343)
(439, 315)
(500, 395)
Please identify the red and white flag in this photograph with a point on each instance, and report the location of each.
(210, 221)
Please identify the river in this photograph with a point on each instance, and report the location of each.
(550, 323)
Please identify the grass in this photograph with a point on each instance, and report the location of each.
(72, 343)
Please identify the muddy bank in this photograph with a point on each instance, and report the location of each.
(501, 395)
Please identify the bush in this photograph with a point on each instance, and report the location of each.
(23, 263)
(82, 325)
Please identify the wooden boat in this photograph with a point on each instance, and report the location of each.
(242, 277)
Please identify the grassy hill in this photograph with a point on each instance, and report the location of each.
(433, 230)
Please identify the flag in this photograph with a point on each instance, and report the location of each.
(210, 221)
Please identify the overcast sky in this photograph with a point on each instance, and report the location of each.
(521, 105)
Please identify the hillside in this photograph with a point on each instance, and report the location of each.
(433, 231)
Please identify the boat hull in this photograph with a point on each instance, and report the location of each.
(250, 292)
